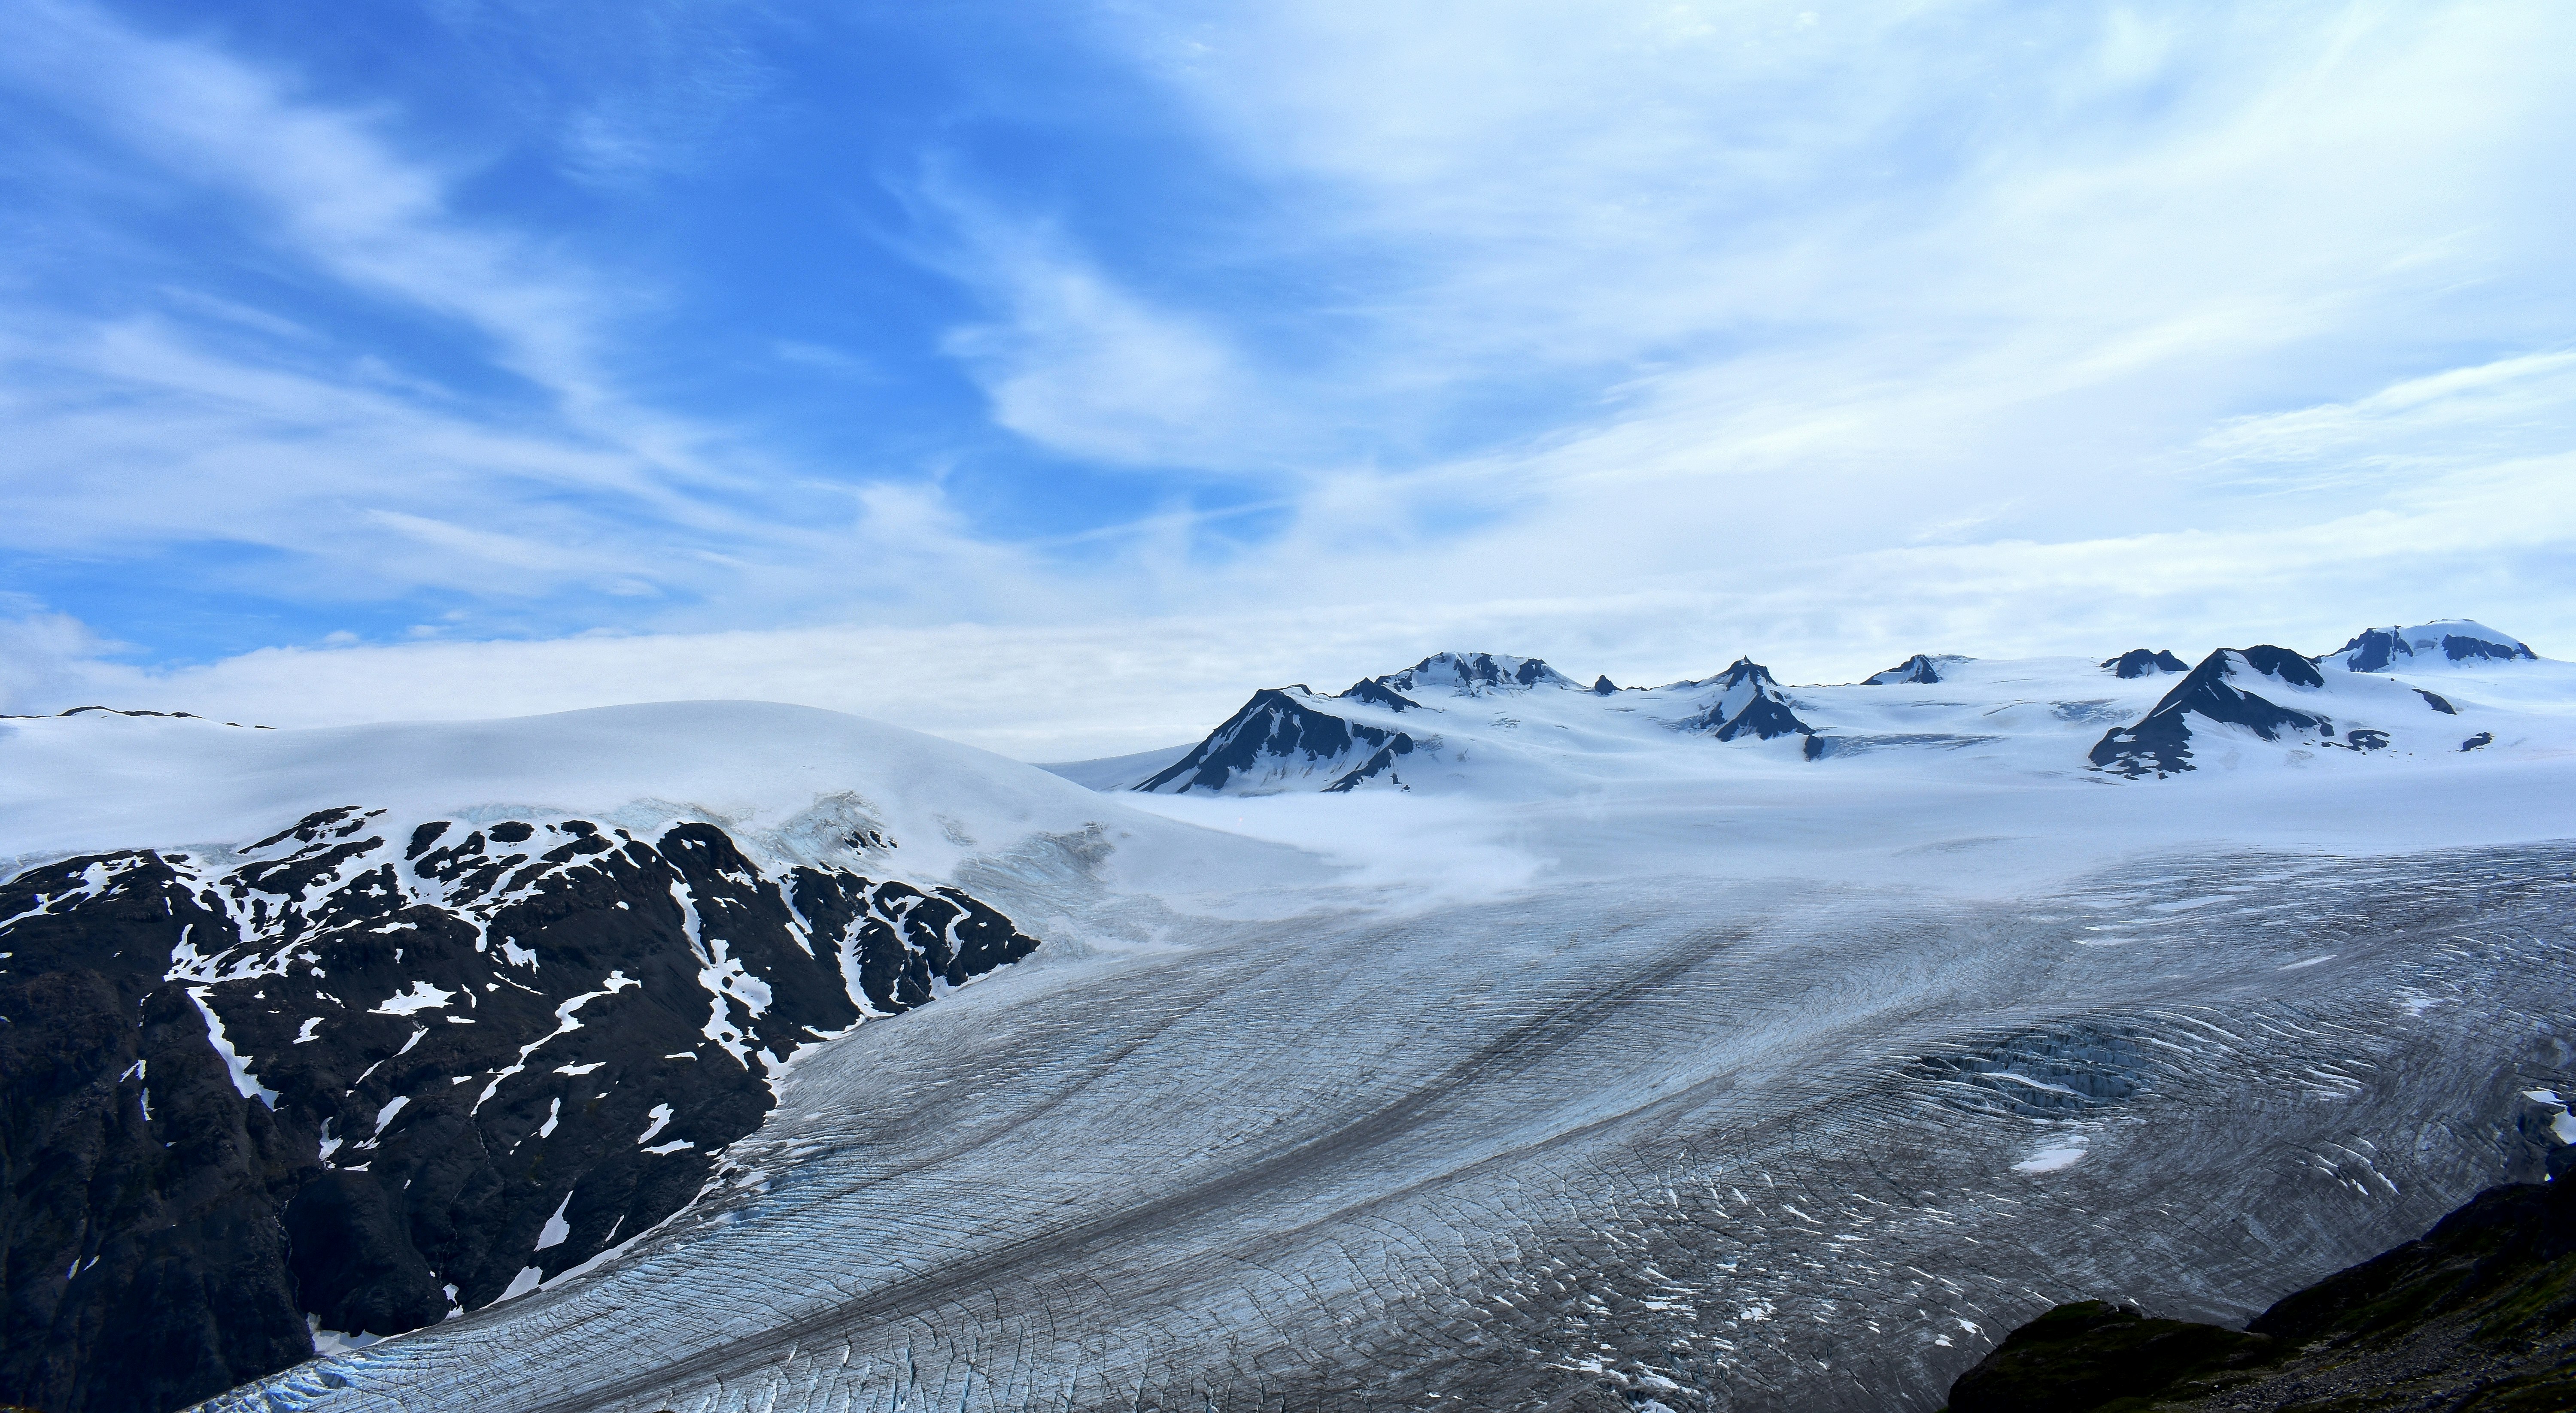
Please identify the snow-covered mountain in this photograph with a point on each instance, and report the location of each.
(2276, 696)
(495, 1009)
(2452, 641)
(1485, 721)
(1922, 669)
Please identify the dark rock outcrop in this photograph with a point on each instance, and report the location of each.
(2138, 662)
(1375, 691)
(2381, 649)
(2083, 1356)
(1920, 668)
(1763, 718)
(1737, 674)
(373, 1073)
(2160, 743)
(2477, 1314)
(1603, 687)
(1749, 704)
(1275, 728)
(1376, 767)
(1474, 673)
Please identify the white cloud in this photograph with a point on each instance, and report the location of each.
(1077, 362)
(336, 190)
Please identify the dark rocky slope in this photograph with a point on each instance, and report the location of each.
(369, 1073)
(1751, 705)
(2382, 649)
(2477, 1315)
(2160, 744)
(1276, 731)
(2138, 662)
(1921, 669)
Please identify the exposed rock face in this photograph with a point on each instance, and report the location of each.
(2459, 640)
(1277, 729)
(375, 1072)
(1375, 692)
(1920, 668)
(2138, 662)
(2160, 744)
(1474, 674)
(2480, 1313)
(1749, 703)
(2078, 1357)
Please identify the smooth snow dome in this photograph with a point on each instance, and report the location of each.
(2427, 637)
(2456, 642)
(783, 777)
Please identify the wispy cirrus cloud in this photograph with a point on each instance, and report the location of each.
(159, 417)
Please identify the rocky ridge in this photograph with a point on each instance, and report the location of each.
(368, 1073)
(2477, 1314)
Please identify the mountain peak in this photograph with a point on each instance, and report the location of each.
(1470, 674)
(2160, 744)
(1737, 673)
(2451, 640)
(1922, 668)
(2138, 662)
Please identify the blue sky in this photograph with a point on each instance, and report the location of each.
(1052, 376)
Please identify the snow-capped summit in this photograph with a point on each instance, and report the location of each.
(2456, 640)
(1748, 703)
(2274, 695)
(1737, 673)
(1287, 738)
(1475, 722)
(1473, 674)
(1921, 669)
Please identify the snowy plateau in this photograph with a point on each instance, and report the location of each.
(1476, 1037)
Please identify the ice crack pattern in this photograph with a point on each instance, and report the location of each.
(1714, 1146)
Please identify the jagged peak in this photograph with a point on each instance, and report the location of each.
(1922, 668)
(1278, 727)
(2160, 743)
(2297, 669)
(1737, 673)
